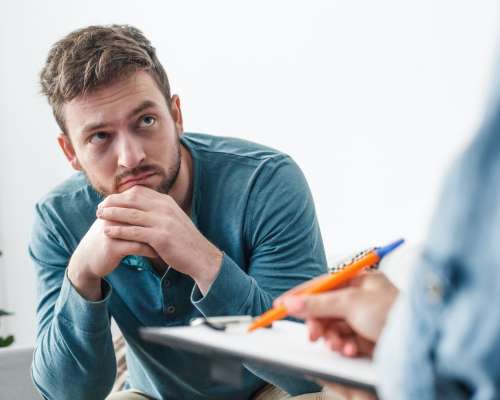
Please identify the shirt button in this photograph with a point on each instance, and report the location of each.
(170, 309)
(166, 283)
(140, 269)
(434, 288)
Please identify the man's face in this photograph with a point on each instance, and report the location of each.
(123, 135)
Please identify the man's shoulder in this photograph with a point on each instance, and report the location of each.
(73, 192)
(230, 148)
(67, 212)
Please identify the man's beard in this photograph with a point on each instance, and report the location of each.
(168, 180)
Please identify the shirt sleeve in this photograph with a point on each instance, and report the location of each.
(284, 245)
(441, 340)
(285, 249)
(410, 336)
(74, 356)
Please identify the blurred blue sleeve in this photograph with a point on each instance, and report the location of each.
(442, 339)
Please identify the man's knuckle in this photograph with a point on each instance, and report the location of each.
(132, 195)
(136, 215)
(157, 240)
(110, 199)
(135, 231)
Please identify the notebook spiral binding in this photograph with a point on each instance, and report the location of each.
(339, 267)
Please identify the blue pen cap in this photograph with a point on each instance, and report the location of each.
(384, 250)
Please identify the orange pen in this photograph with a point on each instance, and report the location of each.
(328, 282)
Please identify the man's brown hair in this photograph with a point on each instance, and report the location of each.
(92, 57)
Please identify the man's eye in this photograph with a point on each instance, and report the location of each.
(147, 121)
(98, 137)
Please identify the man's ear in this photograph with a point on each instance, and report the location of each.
(175, 111)
(69, 151)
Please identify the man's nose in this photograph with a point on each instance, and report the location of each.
(130, 151)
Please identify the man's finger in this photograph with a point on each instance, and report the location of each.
(134, 248)
(124, 215)
(129, 233)
(139, 197)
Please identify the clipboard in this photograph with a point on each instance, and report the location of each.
(284, 348)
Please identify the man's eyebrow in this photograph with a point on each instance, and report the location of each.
(100, 125)
(94, 127)
(141, 107)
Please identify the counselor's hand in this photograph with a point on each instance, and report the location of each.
(349, 319)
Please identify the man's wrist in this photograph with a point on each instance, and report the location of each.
(208, 273)
(86, 284)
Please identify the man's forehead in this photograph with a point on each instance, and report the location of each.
(139, 84)
(85, 117)
(95, 119)
(113, 102)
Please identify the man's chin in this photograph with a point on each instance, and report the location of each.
(157, 182)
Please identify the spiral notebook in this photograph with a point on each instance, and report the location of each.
(284, 348)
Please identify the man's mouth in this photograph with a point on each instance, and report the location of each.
(135, 180)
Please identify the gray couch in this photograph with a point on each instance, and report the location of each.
(15, 376)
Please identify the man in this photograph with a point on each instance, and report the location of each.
(158, 227)
(441, 339)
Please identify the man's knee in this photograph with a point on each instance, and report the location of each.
(128, 395)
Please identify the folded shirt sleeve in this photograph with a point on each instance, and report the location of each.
(74, 356)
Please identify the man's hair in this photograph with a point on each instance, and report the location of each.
(89, 58)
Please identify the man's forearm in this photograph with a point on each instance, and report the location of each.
(57, 369)
(74, 357)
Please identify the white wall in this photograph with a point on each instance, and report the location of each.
(372, 98)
